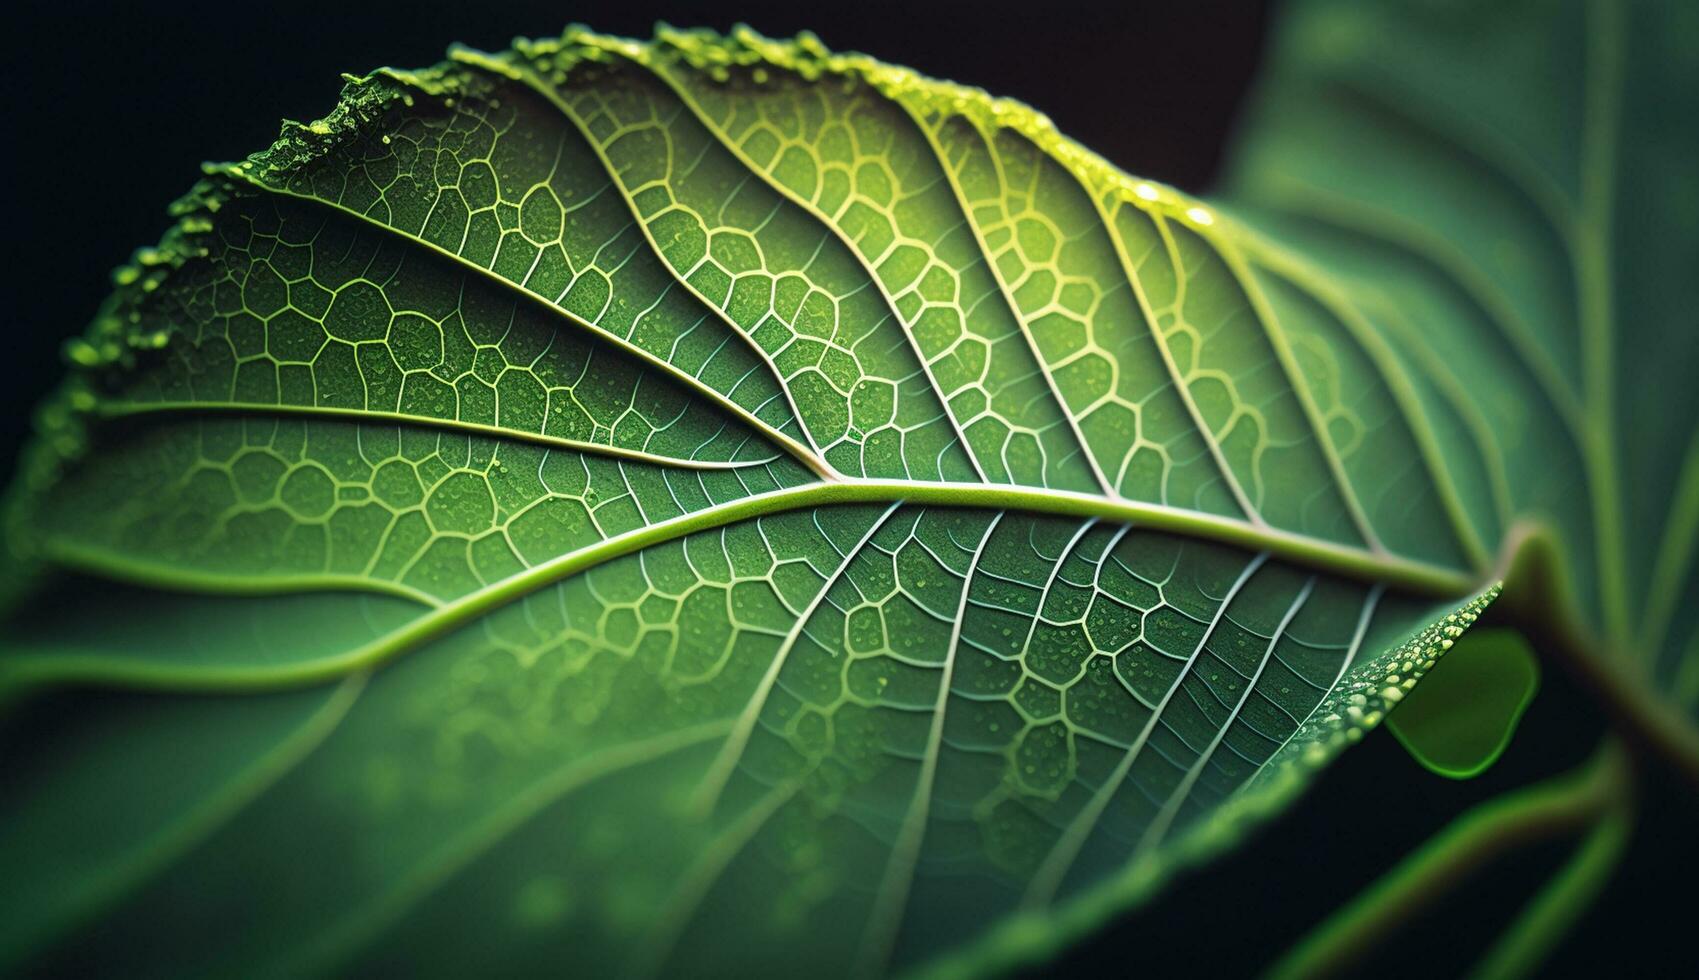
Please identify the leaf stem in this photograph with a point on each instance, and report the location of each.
(1552, 808)
(1547, 918)
(1540, 598)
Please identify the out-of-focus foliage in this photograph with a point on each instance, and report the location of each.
(716, 503)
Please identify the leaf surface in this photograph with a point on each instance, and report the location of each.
(703, 502)
(1497, 195)
(1461, 719)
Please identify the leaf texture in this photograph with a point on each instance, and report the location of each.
(712, 502)
(1496, 196)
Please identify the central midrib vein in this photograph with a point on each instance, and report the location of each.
(1395, 572)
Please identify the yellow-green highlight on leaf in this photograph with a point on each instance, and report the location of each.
(1462, 717)
(793, 514)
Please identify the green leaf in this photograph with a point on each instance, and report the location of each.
(708, 503)
(1462, 718)
(1517, 246)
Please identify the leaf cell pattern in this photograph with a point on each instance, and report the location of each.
(733, 505)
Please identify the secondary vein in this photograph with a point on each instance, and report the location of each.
(803, 454)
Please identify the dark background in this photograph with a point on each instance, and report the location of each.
(112, 107)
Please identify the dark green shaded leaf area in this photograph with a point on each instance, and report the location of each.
(713, 504)
(1462, 718)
